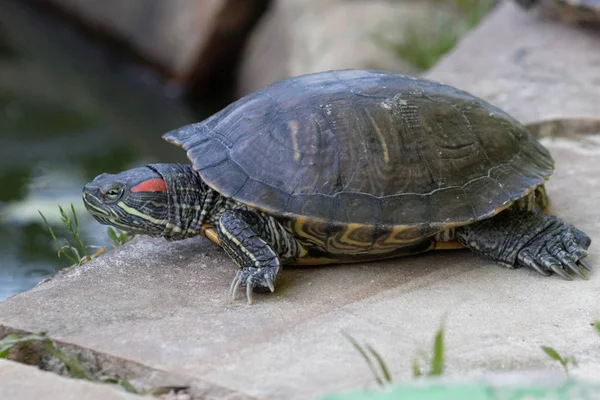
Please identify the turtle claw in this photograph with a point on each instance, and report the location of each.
(235, 285)
(560, 250)
(584, 264)
(249, 292)
(558, 270)
(270, 283)
(255, 280)
(528, 260)
(576, 269)
(568, 255)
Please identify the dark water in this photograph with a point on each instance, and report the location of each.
(67, 114)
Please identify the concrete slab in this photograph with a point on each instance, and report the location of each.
(23, 382)
(166, 305)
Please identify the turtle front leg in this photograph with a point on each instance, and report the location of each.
(516, 238)
(257, 244)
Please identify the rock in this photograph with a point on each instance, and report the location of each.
(166, 305)
(302, 36)
(190, 39)
(21, 382)
(538, 69)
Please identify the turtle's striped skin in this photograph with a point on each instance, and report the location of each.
(348, 166)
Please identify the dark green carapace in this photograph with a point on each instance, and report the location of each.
(347, 166)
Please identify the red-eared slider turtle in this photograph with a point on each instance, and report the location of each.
(584, 11)
(345, 166)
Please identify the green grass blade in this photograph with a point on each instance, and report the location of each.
(74, 367)
(121, 384)
(597, 327)
(117, 237)
(75, 218)
(416, 368)
(126, 385)
(112, 235)
(65, 218)
(382, 365)
(7, 343)
(364, 355)
(123, 237)
(60, 247)
(553, 354)
(4, 350)
(437, 362)
(49, 229)
(77, 236)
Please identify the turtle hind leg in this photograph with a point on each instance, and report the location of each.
(517, 238)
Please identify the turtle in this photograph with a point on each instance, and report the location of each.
(349, 166)
(572, 11)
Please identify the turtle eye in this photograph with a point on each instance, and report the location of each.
(112, 194)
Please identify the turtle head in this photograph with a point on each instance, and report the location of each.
(168, 200)
(134, 200)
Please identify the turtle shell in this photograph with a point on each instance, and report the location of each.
(359, 148)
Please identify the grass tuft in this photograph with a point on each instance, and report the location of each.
(380, 370)
(117, 237)
(78, 255)
(377, 365)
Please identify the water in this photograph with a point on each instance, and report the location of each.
(67, 114)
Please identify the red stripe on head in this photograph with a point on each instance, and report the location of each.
(151, 185)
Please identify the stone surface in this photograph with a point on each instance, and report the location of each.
(23, 382)
(537, 69)
(189, 38)
(302, 36)
(166, 305)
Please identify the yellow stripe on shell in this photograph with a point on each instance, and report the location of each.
(293, 126)
(381, 137)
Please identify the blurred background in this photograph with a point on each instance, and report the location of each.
(89, 86)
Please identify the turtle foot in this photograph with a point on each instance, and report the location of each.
(521, 238)
(560, 250)
(255, 279)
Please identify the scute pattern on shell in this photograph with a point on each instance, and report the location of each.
(368, 148)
